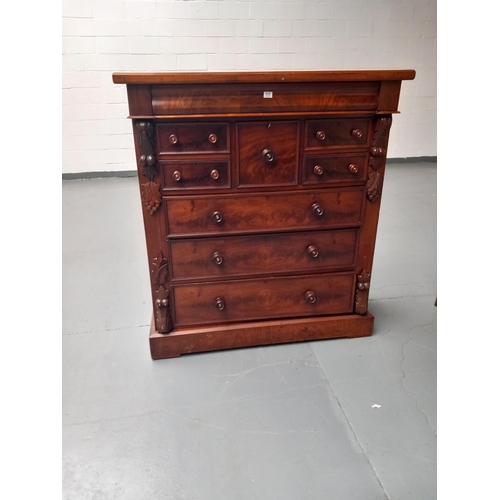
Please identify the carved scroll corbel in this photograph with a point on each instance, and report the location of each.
(378, 153)
(151, 196)
(159, 274)
(362, 288)
(150, 191)
(374, 186)
(378, 150)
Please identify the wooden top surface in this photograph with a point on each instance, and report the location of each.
(263, 76)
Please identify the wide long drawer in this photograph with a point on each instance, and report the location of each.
(263, 254)
(264, 97)
(243, 300)
(205, 215)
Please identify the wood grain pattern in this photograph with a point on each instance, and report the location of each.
(280, 140)
(193, 138)
(236, 98)
(263, 298)
(335, 169)
(263, 254)
(338, 132)
(179, 175)
(279, 212)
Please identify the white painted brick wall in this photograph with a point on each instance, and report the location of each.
(103, 36)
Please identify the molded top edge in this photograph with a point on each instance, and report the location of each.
(262, 76)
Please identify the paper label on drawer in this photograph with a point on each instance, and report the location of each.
(268, 95)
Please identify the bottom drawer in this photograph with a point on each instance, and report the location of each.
(209, 303)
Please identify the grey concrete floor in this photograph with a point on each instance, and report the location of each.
(347, 419)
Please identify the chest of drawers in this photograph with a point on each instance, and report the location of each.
(261, 196)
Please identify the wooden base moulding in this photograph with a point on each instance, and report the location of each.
(213, 338)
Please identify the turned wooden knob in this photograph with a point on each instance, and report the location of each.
(217, 217)
(313, 251)
(217, 258)
(320, 135)
(220, 303)
(353, 168)
(357, 133)
(268, 155)
(173, 139)
(318, 170)
(310, 297)
(317, 209)
(214, 174)
(212, 138)
(176, 176)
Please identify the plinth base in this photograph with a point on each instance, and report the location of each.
(213, 338)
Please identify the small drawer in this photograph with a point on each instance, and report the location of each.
(337, 132)
(267, 153)
(178, 175)
(174, 138)
(332, 169)
(206, 303)
(259, 213)
(276, 253)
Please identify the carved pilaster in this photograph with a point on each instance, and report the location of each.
(362, 287)
(159, 275)
(150, 191)
(378, 153)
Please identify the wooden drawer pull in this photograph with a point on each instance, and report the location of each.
(217, 259)
(176, 176)
(320, 135)
(217, 217)
(357, 133)
(313, 251)
(173, 139)
(317, 209)
(214, 174)
(310, 297)
(268, 155)
(353, 168)
(318, 170)
(212, 138)
(220, 303)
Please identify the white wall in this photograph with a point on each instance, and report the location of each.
(103, 36)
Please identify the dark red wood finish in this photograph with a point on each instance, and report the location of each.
(195, 175)
(230, 301)
(283, 211)
(261, 195)
(271, 254)
(332, 169)
(267, 153)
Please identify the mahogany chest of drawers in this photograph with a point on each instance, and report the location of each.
(261, 195)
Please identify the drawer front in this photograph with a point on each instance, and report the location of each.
(180, 175)
(267, 153)
(337, 132)
(264, 97)
(263, 298)
(174, 138)
(277, 253)
(276, 212)
(330, 169)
